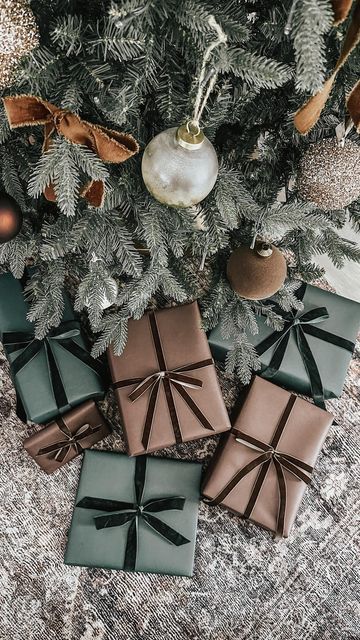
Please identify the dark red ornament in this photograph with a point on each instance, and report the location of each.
(11, 217)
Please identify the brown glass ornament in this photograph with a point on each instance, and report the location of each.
(256, 273)
(11, 218)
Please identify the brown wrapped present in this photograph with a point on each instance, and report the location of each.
(67, 436)
(165, 381)
(262, 467)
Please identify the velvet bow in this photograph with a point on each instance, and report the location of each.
(109, 146)
(119, 513)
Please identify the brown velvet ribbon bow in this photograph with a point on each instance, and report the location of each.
(110, 146)
(269, 455)
(169, 379)
(307, 116)
(60, 449)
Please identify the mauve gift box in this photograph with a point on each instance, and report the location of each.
(165, 381)
(139, 515)
(67, 436)
(261, 468)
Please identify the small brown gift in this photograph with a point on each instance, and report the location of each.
(165, 381)
(262, 467)
(67, 436)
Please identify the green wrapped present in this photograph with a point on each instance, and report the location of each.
(52, 375)
(311, 354)
(141, 515)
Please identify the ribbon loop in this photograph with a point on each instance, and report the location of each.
(169, 379)
(121, 513)
(110, 146)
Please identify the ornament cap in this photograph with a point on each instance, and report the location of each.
(190, 136)
(264, 249)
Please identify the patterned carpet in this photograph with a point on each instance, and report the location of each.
(245, 587)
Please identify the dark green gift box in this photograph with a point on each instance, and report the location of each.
(311, 355)
(140, 514)
(52, 375)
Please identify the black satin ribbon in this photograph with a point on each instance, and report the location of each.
(120, 513)
(61, 448)
(175, 378)
(302, 325)
(30, 347)
(281, 461)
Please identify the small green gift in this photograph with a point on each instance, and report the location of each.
(312, 353)
(141, 515)
(52, 375)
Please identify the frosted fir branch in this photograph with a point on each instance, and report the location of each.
(68, 34)
(46, 292)
(254, 69)
(242, 359)
(113, 332)
(312, 20)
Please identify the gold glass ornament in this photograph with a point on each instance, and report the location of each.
(180, 166)
(329, 174)
(11, 218)
(256, 273)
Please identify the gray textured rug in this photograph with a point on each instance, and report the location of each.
(246, 586)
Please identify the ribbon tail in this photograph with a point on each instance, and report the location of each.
(150, 415)
(192, 406)
(163, 529)
(131, 546)
(276, 359)
(260, 460)
(58, 388)
(282, 499)
(94, 193)
(317, 389)
(172, 410)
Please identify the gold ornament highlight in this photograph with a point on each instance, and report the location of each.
(11, 218)
(18, 36)
(329, 174)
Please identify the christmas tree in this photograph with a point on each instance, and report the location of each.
(134, 67)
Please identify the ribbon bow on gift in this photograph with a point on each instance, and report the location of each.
(301, 325)
(61, 448)
(168, 379)
(120, 513)
(31, 346)
(110, 146)
(269, 455)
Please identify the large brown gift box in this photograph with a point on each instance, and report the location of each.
(165, 381)
(262, 467)
(67, 436)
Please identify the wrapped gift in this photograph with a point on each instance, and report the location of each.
(165, 381)
(67, 436)
(311, 354)
(262, 467)
(51, 375)
(141, 515)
